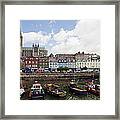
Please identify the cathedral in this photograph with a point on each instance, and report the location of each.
(34, 51)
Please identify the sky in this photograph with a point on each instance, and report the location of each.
(62, 36)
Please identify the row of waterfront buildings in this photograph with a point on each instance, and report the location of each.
(36, 57)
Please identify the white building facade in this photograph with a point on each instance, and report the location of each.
(74, 61)
(90, 61)
(53, 64)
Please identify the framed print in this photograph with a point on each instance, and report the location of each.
(60, 59)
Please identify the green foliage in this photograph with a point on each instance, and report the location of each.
(61, 69)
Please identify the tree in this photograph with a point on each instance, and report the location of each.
(66, 69)
(60, 69)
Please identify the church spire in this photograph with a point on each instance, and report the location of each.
(21, 39)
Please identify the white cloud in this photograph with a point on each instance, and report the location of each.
(33, 37)
(84, 27)
(85, 37)
(70, 46)
(61, 36)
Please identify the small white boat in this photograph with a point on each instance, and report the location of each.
(21, 91)
(37, 91)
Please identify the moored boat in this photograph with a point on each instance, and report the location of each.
(37, 91)
(94, 89)
(76, 89)
(21, 91)
(54, 90)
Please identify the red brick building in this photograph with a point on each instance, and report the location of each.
(31, 62)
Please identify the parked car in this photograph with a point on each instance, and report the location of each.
(27, 70)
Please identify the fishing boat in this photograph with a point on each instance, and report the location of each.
(37, 91)
(54, 90)
(76, 89)
(94, 89)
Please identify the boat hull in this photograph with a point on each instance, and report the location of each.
(55, 94)
(78, 92)
(95, 92)
(38, 97)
